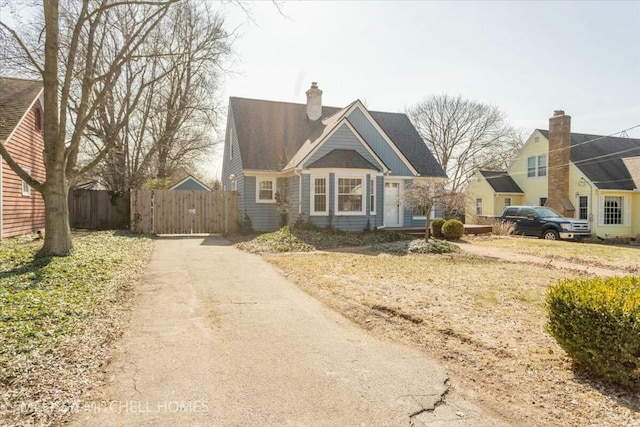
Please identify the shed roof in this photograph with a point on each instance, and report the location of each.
(501, 182)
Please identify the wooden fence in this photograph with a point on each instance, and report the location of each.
(99, 210)
(184, 212)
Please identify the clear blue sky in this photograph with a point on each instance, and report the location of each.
(527, 58)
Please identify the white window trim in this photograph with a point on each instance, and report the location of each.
(480, 205)
(577, 212)
(260, 179)
(626, 211)
(363, 178)
(505, 201)
(231, 144)
(26, 188)
(432, 215)
(312, 193)
(372, 193)
(536, 166)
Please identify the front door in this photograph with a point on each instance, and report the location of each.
(392, 204)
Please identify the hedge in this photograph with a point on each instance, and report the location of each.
(597, 322)
(436, 227)
(452, 229)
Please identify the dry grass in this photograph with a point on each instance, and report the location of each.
(615, 257)
(58, 320)
(483, 318)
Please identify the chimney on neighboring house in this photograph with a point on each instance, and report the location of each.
(558, 160)
(314, 102)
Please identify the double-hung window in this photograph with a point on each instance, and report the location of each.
(350, 197)
(537, 166)
(613, 210)
(478, 206)
(319, 191)
(265, 190)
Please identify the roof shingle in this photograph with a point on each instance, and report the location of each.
(16, 96)
(501, 182)
(340, 158)
(271, 133)
(600, 158)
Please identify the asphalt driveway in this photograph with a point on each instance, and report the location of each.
(217, 337)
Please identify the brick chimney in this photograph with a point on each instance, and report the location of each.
(558, 160)
(314, 102)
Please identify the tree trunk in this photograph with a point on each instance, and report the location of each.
(57, 240)
(427, 231)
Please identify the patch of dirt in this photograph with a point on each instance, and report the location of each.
(483, 318)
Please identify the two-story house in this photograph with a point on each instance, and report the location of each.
(582, 176)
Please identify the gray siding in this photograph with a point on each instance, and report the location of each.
(294, 195)
(264, 216)
(378, 144)
(233, 166)
(345, 139)
(190, 184)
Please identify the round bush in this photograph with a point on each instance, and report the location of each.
(597, 322)
(452, 229)
(436, 227)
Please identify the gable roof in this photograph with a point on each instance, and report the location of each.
(16, 98)
(501, 182)
(272, 135)
(401, 131)
(340, 158)
(600, 158)
(190, 181)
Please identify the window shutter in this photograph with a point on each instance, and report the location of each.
(601, 210)
(627, 211)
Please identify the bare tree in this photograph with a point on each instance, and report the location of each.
(76, 85)
(172, 127)
(463, 135)
(424, 194)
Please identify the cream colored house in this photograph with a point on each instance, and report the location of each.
(582, 176)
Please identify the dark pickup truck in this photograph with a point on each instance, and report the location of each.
(545, 223)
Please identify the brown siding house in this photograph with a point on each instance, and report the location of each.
(21, 127)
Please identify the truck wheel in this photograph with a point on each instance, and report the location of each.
(550, 235)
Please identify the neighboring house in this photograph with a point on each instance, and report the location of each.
(21, 128)
(582, 176)
(346, 165)
(190, 183)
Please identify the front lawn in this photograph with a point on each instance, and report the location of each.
(57, 317)
(616, 257)
(483, 318)
(296, 240)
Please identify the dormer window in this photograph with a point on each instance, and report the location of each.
(38, 120)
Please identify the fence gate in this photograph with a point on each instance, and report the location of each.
(183, 212)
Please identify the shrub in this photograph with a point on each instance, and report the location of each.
(597, 322)
(245, 226)
(420, 246)
(452, 229)
(436, 227)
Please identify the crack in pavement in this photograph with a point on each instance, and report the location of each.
(440, 401)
